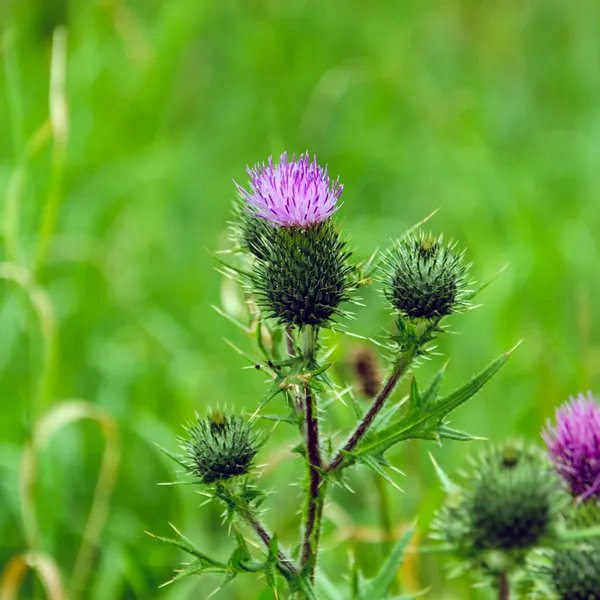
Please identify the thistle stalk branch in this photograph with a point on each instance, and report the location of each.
(286, 565)
(388, 387)
(314, 498)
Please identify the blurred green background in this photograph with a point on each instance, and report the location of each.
(116, 176)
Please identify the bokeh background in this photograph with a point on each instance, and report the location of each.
(122, 125)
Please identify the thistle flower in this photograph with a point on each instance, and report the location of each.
(575, 572)
(220, 447)
(291, 194)
(304, 275)
(574, 445)
(425, 278)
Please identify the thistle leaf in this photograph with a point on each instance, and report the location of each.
(186, 546)
(377, 588)
(428, 421)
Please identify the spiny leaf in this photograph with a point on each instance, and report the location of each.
(378, 464)
(423, 423)
(326, 587)
(185, 545)
(447, 484)
(377, 588)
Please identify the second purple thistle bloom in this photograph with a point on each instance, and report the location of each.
(298, 193)
(574, 444)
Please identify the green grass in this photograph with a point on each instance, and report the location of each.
(488, 111)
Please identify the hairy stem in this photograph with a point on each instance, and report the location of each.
(362, 428)
(314, 501)
(314, 496)
(503, 586)
(266, 538)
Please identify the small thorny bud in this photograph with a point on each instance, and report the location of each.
(367, 372)
(304, 275)
(220, 447)
(575, 572)
(425, 279)
(574, 445)
(511, 503)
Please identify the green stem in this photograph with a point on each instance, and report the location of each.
(388, 387)
(285, 563)
(575, 535)
(315, 493)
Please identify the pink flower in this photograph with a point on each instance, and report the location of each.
(291, 194)
(574, 444)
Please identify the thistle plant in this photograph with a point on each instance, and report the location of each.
(299, 278)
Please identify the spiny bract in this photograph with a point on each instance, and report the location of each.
(304, 275)
(575, 573)
(220, 447)
(425, 279)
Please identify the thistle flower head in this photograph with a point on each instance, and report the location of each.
(425, 279)
(220, 447)
(510, 503)
(298, 193)
(574, 445)
(304, 275)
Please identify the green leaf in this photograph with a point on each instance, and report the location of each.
(377, 588)
(428, 422)
(326, 588)
(447, 484)
(186, 546)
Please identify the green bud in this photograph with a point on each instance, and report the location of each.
(220, 447)
(575, 573)
(511, 504)
(303, 275)
(425, 279)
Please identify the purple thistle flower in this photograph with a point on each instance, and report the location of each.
(291, 194)
(574, 445)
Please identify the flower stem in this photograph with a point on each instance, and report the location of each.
(266, 538)
(315, 493)
(314, 499)
(399, 370)
(503, 586)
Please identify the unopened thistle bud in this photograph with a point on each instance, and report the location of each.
(510, 504)
(574, 445)
(220, 447)
(575, 573)
(302, 275)
(425, 278)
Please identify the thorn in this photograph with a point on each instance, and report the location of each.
(150, 534)
(166, 583)
(175, 530)
(515, 347)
